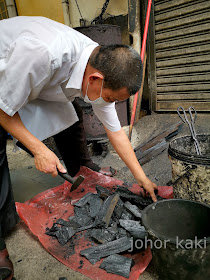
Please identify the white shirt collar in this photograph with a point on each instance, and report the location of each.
(77, 74)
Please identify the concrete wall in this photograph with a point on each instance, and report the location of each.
(92, 8)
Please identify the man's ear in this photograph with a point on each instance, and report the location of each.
(95, 76)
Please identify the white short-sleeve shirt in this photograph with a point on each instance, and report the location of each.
(42, 63)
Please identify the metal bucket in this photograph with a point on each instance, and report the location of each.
(179, 237)
(190, 172)
(103, 34)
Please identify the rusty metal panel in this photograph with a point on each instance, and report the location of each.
(3, 10)
(181, 54)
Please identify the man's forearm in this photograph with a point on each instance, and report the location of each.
(121, 144)
(15, 127)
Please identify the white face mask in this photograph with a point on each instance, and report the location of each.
(98, 101)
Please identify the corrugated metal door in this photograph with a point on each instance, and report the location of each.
(47, 8)
(180, 55)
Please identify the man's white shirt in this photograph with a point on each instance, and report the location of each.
(42, 63)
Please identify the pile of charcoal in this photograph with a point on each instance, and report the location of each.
(112, 219)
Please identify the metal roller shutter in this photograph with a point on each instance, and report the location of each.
(180, 57)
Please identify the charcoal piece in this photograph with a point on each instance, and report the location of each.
(82, 215)
(84, 200)
(107, 209)
(141, 201)
(127, 215)
(122, 233)
(95, 253)
(61, 222)
(55, 227)
(133, 209)
(95, 204)
(97, 235)
(113, 229)
(134, 228)
(117, 264)
(102, 235)
(124, 190)
(119, 209)
(102, 192)
(64, 234)
(84, 228)
(71, 223)
(50, 233)
(128, 195)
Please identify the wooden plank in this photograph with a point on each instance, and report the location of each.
(172, 106)
(193, 96)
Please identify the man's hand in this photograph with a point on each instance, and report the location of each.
(47, 162)
(123, 147)
(149, 187)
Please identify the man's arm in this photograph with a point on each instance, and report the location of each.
(45, 160)
(121, 144)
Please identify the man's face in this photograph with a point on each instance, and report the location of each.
(93, 87)
(118, 95)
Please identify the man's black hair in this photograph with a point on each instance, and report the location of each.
(121, 66)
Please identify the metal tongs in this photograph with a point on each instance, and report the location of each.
(193, 117)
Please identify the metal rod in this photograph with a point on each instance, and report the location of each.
(142, 58)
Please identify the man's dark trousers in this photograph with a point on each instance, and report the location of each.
(72, 145)
(8, 214)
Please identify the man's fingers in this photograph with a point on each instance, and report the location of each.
(61, 168)
(153, 196)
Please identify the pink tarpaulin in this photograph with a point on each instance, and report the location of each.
(44, 209)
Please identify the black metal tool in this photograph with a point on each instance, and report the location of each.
(75, 183)
(193, 117)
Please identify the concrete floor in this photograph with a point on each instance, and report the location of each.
(31, 261)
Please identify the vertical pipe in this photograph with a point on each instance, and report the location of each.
(142, 58)
(146, 29)
(66, 12)
(135, 39)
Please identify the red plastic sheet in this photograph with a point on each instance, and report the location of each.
(44, 209)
